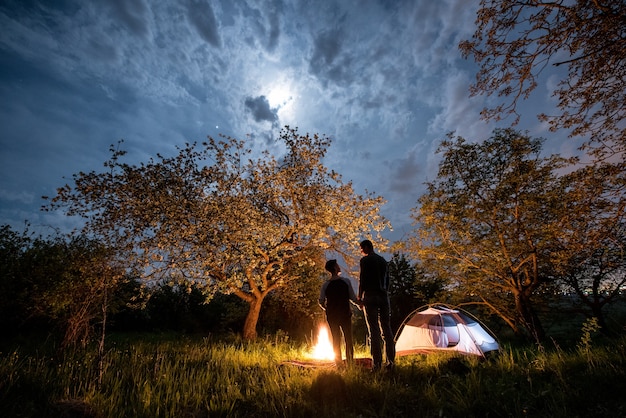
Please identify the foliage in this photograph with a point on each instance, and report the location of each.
(180, 376)
(14, 291)
(44, 291)
(402, 279)
(80, 291)
(67, 282)
(215, 215)
(589, 328)
(410, 287)
(489, 221)
(183, 307)
(513, 44)
(515, 40)
(294, 308)
(591, 255)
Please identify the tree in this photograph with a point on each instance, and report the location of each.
(215, 215)
(294, 309)
(65, 282)
(402, 276)
(14, 289)
(515, 40)
(182, 307)
(409, 288)
(488, 222)
(73, 281)
(591, 256)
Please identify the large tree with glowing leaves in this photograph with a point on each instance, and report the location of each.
(216, 215)
(516, 40)
(490, 221)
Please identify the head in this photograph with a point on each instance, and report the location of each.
(332, 266)
(367, 247)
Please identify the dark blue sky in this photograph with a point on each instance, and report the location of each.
(383, 79)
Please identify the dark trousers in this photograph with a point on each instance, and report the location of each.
(378, 319)
(337, 325)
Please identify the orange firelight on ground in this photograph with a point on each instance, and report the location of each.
(323, 349)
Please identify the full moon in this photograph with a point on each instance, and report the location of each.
(279, 96)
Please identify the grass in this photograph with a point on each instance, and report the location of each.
(202, 377)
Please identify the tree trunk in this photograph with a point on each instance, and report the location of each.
(249, 327)
(529, 317)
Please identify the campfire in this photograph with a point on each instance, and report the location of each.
(322, 355)
(323, 348)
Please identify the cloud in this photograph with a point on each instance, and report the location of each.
(103, 50)
(19, 196)
(265, 24)
(459, 112)
(326, 48)
(274, 32)
(405, 173)
(201, 16)
(260, 109)
(133, 14)
(327, 62)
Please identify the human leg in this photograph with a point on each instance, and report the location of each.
(346, 327)
(371, 319)
(335, 334)
(385, 324)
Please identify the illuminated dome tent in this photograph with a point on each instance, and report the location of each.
(441, 328)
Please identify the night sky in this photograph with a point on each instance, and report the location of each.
(384, 79)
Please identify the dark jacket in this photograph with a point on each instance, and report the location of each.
(374, 275)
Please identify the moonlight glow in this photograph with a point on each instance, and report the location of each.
(279, 96)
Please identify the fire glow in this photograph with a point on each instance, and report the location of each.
(323, 349)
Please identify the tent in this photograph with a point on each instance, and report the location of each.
(442, 328)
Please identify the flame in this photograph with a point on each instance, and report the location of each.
(323, 349)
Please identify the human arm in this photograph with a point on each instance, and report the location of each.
(360, 291)
(322, 298)
(384, 273)
(351, 294)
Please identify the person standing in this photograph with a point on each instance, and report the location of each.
(335, 297)
(373, 286)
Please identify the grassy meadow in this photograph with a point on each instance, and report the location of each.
(183, 376)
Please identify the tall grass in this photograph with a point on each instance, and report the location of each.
(203, 377)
